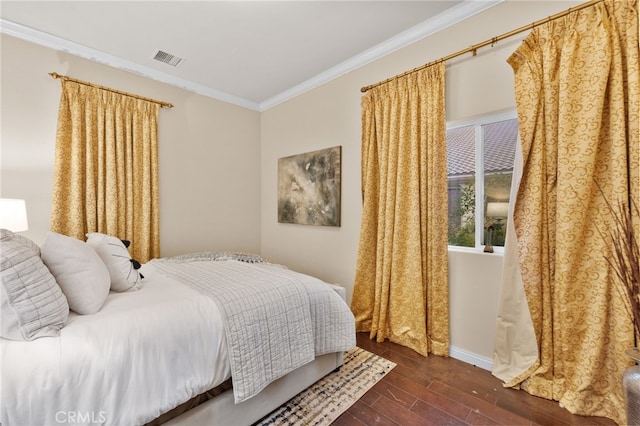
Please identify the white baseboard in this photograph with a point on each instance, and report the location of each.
(471, 358)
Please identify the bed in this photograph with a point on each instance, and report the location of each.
(204, 338)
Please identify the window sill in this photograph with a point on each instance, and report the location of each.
(499, 251)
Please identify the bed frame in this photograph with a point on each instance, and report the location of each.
(222, 411)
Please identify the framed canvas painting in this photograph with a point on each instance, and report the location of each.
(309, 188)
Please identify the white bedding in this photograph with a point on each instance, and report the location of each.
(148, 351)
(88, 376)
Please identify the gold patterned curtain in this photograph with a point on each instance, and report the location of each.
(577, 98)
(106, 167)
(401, 289)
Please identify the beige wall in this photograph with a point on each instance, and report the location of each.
(209, 151)
(218, 162)
(330, 115)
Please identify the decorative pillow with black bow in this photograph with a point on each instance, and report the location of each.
(114, 252)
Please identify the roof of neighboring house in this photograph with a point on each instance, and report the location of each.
(500, 145)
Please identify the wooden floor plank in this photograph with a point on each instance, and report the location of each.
(444, 391)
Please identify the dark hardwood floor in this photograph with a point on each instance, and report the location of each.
(444, 391)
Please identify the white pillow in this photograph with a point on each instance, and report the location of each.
(114, 254)
(31, 302)
(79, 271)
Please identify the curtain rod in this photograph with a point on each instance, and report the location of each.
(473, 49)
(86, 83)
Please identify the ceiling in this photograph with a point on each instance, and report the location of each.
(255, 54)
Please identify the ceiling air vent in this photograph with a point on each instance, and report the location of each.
(167, 58)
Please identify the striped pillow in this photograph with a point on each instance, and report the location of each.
(32, 304)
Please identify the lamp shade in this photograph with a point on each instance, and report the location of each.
(13, 215)
(497, 209)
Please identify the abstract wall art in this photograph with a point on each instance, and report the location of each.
(309, 188)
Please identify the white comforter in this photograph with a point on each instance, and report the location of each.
(90, 374)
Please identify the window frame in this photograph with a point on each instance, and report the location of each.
(478, 122)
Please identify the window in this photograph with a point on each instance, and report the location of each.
(480, 156)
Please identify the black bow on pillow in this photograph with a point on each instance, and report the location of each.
(136, 264)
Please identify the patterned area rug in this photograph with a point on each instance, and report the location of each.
(324, 401)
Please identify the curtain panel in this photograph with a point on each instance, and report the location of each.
(401, 284)
(106, 168)
(577, 99)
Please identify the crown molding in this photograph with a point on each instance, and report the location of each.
(449, 17)
(76, 49)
